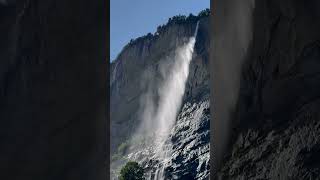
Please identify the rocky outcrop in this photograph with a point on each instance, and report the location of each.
(52, 90)
(190, 142)
(277, 135)
(139, 62)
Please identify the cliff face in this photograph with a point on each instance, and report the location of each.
(52, 90)
(137, 65)
(278, 134)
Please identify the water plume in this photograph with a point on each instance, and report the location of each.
(161, 105)
(172, 90)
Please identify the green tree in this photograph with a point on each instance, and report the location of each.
(191, 18)
(131, 171)
(204, 13)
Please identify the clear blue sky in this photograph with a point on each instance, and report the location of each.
(130, 19)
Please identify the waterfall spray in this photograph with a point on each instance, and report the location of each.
(172, 92)
(158, 117)
(171, 95)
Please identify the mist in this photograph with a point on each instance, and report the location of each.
(161, 103)
(232, 32)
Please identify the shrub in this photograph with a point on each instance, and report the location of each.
(116, 157)
(191, 18)
(131, 171)
(122, 148)
(204, 13)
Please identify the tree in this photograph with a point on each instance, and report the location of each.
(159, 28)
(204, 13)
(191, 18)
(131, 171)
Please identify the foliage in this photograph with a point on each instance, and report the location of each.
(191, 18)
(123, 147)
(204, 13)
(131, 171)
(116, 157)
(178, 19)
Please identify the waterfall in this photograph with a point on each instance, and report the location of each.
(158, 117)
(172, 91)
(159, 106)
(171, 95)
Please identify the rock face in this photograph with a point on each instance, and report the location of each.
(52, 90)
(139, 62)
(190, 142)
(278, 134)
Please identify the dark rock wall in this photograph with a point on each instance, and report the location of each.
(52, 90)
(278, 136)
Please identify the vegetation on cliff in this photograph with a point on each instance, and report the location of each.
(178, 19)
(132, 171)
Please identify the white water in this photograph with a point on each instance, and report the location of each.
(159, 108)
(158, 117)
(171, 94)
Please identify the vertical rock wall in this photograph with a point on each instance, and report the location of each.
(278, 109)
(52, 89)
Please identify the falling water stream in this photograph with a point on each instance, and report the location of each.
(158, 118)
(171, 100)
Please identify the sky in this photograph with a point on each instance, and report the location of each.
(130, 19)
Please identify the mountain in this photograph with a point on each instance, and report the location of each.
(139, 62)
(278, 134)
